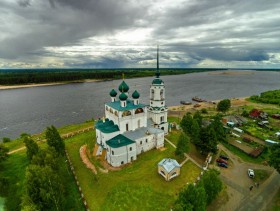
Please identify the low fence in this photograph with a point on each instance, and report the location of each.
(69, 135)
(77, 182)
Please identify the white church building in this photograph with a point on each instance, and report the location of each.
(131, 128)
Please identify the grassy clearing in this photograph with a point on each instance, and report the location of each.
(174, 119)
(18, 143)
(262, 158)
(261, 175)
(13, 171)
(275, 204)
(173, 136)
(140, 178)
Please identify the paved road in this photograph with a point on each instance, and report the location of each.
(258, 198)
(261, 199)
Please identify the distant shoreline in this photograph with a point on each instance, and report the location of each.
(2, 87)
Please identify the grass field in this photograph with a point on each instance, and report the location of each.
(18, 143)
(137, 186)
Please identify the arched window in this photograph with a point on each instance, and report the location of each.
(152, 94)
(139, 110)
(111, 110)
(161, 94)
(126, 113)
(130, 148)
(116, 113)
(106, 108)
(112, 152)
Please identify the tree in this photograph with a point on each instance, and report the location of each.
(195, 132)
(208, 140)
(5, 139)
(212, 184)
(224, 105)
(274, 158)
(191, 198)
(186, 123)
(31, 147)
(182, 145)
(3, 152)
(245, 113)
(44, 188)
(219, 128)
(55, 140)
(197, 116)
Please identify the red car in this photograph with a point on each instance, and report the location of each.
(219, 160)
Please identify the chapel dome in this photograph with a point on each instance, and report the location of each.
(123, 96)
(113, 93)
(135, 95)
(123, 87)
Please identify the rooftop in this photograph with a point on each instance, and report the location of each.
(168, 164)
(130, 105)
(106, 127)
(142, 132)
(119, 141)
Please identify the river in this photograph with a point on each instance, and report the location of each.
(31, 110)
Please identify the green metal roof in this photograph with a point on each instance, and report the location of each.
(117, 105)
(113, 93)
(119, 141)
(135, 95)
(123, 87)
(107, 126)
(123, 96)
(157, 81)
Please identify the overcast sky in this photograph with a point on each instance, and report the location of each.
(124, 33)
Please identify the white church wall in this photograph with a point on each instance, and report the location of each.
(122, 155)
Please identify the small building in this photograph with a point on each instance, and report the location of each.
(169, 168)
(258, 114)
(276, 116)
(238, 130)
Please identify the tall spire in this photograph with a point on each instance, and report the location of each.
(157, 72)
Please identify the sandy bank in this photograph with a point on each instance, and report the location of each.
(179, 108)
(245, 72)
(2, 87)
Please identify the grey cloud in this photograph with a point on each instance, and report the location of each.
(65, 24)
(24, 3)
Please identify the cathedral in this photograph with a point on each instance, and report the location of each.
(130, 127)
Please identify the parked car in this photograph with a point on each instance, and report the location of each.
(222, 165)
(251, 173)
(224, 157)
(219, 160)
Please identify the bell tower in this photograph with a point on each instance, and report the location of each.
(157, 110)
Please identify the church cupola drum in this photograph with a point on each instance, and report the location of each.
(157, 109)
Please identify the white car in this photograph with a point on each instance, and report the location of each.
(251, 173)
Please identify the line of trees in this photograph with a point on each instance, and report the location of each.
(12, 77)
(44, 180)
(271, 97)
(196, 198)
(205, 138)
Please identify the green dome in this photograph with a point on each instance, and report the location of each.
(113, 93)
(135, 95)
(123, 96)
(123, 87)
(157, 81)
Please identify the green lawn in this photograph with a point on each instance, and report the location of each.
(137, 185)
(173, 136)
(18, 143)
